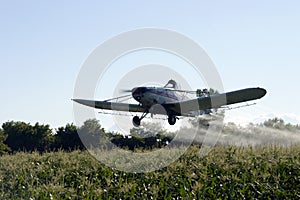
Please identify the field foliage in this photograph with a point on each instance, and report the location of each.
(267, 172)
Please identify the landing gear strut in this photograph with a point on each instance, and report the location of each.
(136, 121)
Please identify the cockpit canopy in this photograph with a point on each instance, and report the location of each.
(171, 84)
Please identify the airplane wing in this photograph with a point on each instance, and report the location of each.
(184, 108)
(215, 101)
(111, 105)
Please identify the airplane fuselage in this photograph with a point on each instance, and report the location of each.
(149, 96)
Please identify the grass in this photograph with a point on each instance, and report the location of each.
(269, 172)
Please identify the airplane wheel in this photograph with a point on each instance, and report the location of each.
(172, 120)
(136, 121)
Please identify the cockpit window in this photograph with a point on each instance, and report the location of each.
(171, 84)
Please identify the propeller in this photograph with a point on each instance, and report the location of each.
(125, 90)
(131, 91)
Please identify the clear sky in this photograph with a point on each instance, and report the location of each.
(43, 44)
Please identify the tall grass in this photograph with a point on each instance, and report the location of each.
(227, 172)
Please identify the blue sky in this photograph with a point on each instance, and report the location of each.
(43, 44)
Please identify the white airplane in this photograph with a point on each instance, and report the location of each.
(172, 101)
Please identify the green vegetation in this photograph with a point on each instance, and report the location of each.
(21, 136)
(226, 173)
(37, 162)
(3, 147)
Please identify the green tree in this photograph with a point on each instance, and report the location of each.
(150, 135)
(43, 137)
(92, 134)
(3, 147)
(276, 123)
(67, 138)
(19, 135)
(23, 136)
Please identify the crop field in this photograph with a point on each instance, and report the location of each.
(267, 172)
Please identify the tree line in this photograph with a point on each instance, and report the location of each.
(20, 136)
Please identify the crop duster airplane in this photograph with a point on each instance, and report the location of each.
(168, 100)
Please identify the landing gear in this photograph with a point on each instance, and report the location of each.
(136, 121)
(172, 119)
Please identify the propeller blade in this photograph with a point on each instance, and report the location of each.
(125, 90)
